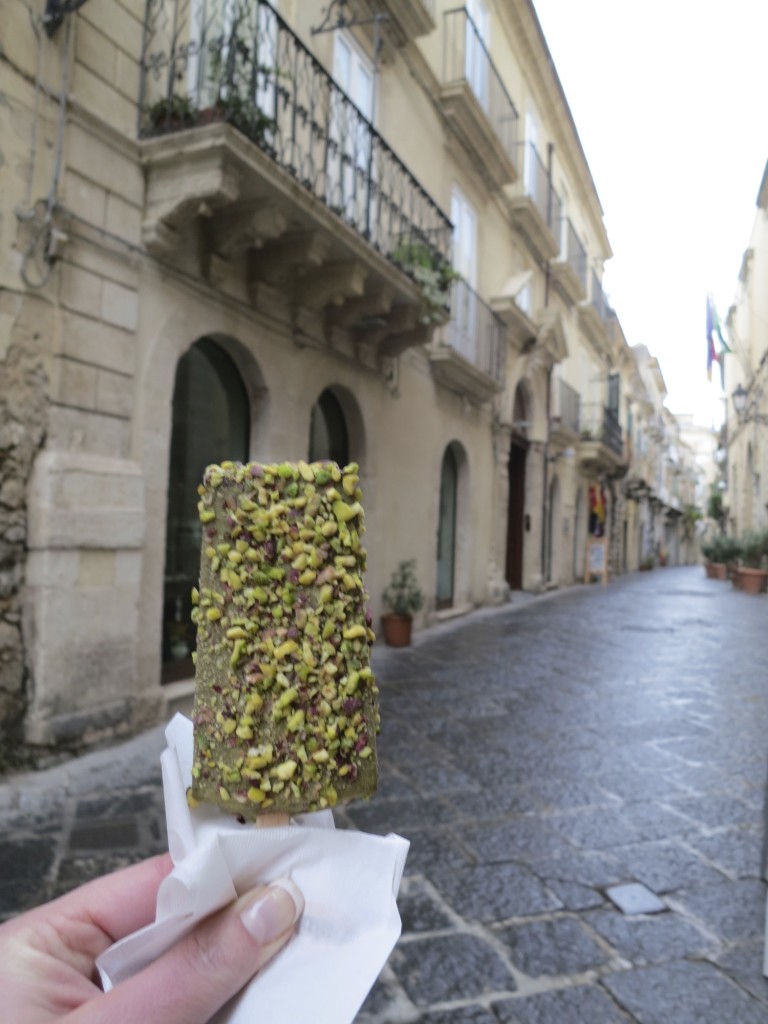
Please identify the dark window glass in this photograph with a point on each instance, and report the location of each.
(211, 423)
(446, 535)
(613, 393)
(328, 438)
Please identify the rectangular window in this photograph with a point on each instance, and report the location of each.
(233, 55)
(349, 161)
(614, 385)
(475, 53)
(464, 308)
(464, 236)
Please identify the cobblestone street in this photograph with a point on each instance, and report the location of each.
(535, 756)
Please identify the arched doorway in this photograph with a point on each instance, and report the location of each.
(211, 423)
(446, 532)
(516, 520)
(328, 433)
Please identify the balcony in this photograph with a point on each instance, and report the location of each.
(476, 102)
(594, 315)
(255, 156)
(601, 448)
(569, 271)
(468, 355)
(409, 19)
(535, 206)
(565, 419)
(513, 306)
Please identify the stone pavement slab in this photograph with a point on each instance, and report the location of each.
(534, 755)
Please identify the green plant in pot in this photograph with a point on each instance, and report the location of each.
(726, 549)
(404, 597)
(434, 275)
(170, 114)
(708, 551)
(751, 576)
(233, 72)
(753, 548)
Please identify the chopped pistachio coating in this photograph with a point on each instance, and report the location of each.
(285, 713)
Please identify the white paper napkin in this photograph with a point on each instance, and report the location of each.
(349, 881)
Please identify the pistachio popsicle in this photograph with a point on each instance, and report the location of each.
(285, 712)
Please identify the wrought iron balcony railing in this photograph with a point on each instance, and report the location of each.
(466, 59)
(237, 61)
(598, 423)
(597, 297)
(574, 252)
(567, 406)
(537, 185)
(476, 332)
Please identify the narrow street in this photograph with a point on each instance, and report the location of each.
(535, 756)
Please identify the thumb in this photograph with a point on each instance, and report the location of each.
(190, 982)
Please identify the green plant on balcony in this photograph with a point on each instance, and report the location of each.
(434, 275)
(172, 113)
(232, 76)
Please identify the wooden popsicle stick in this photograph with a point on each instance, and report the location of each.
(277, 820)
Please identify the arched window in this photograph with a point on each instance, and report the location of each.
(328, 435)
(211, 423)
(446, 535)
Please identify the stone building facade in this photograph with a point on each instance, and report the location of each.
(237, 229)
(746, 367)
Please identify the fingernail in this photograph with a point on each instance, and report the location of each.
(274, 911)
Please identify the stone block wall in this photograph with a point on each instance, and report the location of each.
(24, 325)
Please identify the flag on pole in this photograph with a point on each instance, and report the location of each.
(714, 330)
(711, 354)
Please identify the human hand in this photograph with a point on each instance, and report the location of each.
(47, 955)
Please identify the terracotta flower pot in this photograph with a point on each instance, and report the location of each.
(751, 581)
(397, 629)
(716, 570)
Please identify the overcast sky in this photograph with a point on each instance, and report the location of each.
(670, 101)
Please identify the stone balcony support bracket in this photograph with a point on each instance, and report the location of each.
(183, 184)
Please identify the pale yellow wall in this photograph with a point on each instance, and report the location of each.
(747, 491)
(117, 321)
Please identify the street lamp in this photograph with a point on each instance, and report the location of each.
(746, 408)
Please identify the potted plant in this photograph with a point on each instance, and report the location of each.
(434, 275)
(729, 552)
(710, 565)
(404, 597)
(646, 564)
(750, 576)
(721, 554)
(234, 75)
(170, 114)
